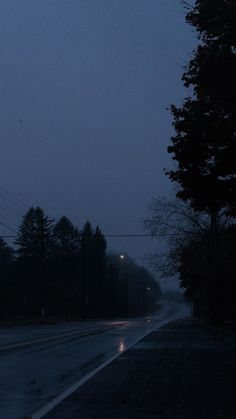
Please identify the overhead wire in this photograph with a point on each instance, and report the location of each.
(19, 203)
(11, 211)
(12, 196)
(115, 235)
(127, 235)
(9, 228)
(13, 202)
(22, 205)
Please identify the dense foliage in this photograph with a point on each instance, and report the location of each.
(58, 271)
(204, 147)
(205, 142)
(206, 267)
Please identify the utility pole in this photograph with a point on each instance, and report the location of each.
(43, 224)
(139, 311)
(83, 302)
(42, 261)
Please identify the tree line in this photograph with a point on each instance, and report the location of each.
(201, 223)
(57, 270)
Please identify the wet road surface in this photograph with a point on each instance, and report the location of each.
(184, 370)
(39, 362)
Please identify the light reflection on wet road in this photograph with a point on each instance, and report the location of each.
(34, 373)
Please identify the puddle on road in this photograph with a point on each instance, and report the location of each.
(121, 347)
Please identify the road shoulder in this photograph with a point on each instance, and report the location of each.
(181, 371)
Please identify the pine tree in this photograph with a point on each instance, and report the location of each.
(93, 249)
(99, 244)
(66, 238)
(6, 255)
(6, 269)
(34, 239)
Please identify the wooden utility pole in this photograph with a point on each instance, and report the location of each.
(42, 262)
(83, 296)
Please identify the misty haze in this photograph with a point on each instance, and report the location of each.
(118, 209)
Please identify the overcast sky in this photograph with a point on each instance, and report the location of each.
(84, 128)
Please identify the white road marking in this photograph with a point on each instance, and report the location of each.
(57, 400)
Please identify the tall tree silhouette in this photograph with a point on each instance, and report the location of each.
(66, 238)
(98, 271)
(6, 262)
(86, 267)
(205, 142)
(99, 247)
(34, 242)
(6, 254)
(93, 261)
(64, 286)
(34, 239)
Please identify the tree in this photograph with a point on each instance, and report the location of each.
(6, 264)
(63, 287)
(207, 275)
(99, 249)
(204, 145)
(34, 238)
(131, 290)
(66, 238)
(87, 236)
(6, 254)
(93, 248)
(34, 242)
(205, 142)
(183, 229)
(98, 271)
(175, 224)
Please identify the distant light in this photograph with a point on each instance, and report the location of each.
(148, 288)
(121, 347)
(122, 256)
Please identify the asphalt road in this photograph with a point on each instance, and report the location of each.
(184, 370)
(39, 362)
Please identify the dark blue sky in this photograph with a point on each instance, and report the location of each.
(84, 89)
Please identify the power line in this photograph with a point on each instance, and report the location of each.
(12, 212)
(13, 199)
(105, 235)
(142, 235)
(128, 235)
(115, 235)
(12, 196)
(13, 202)
(9, 228)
